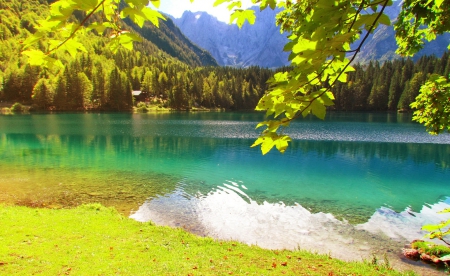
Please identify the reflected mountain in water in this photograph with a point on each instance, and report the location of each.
(229, 214)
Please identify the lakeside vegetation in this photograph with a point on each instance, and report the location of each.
(93, 239)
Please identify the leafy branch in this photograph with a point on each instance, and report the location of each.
(356, 51)
(58, 23)
(318, 55)
(437, 231)
(86, 18)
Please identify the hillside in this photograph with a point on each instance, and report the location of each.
(172, 41)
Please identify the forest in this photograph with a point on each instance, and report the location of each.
(99, 79)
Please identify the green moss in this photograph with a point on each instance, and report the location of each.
(95, 240)
(431, 248)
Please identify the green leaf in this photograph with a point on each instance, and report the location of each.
(446, 210)
(137, 3)
(271, 3)
(85, 5)
(365, 20)
(157, 3)
(32, 39)
(303, 45)
(385, 20)
(109, 11)
(318, 109)
(433, 227)
(99, 27)
(266, 141)
(153, 16)
(35, 57)
(266, 147)
(438, 3)
(219, 2)
(62, 9)
(327, 98)
(114, 44)
(282, 143)
(139, 16)
(241, 16)
(49, 26)
(72, 47)
(236, 4)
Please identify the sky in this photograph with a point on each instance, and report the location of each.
(177, 7)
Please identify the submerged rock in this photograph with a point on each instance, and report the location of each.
(411, 253)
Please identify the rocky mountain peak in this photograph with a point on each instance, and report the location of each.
(260, 44)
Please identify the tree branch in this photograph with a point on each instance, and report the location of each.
(77, 28)
(357, 50)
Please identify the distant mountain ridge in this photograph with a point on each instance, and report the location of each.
(381, 45)
(262, 43)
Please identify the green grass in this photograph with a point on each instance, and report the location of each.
(95, 240)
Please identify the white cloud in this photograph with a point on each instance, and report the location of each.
(177, 7)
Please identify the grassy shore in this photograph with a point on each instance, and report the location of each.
(95, 240)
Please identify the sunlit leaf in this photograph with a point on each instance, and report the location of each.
(271, 3)
(35, 57)
(32, 39)
(157, 3)
(433, 227)
(282, 143)
(218, 2)
(446, 210)
(318, 109)
(385, 20)
(235, 4)
(240, 16)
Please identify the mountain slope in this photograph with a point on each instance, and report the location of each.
(259, 44)
(172, 41)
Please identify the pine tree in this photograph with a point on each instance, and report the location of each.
(42, 94)
(394, 90)
(60, 96)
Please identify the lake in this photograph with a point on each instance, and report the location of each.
(353, 185)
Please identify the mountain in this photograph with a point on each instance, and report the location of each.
(259, 44)
(381, 45)
(262, 43)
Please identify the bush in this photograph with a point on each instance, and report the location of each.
(141, 107)
(17, 107)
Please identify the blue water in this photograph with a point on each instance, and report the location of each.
(351, 165)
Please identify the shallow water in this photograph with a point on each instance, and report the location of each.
(352, 185)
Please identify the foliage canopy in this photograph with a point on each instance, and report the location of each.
(325, 37)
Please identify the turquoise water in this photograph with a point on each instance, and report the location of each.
(352, 166)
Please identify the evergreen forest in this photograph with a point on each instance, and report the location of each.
(173, 73)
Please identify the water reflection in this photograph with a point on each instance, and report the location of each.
(50, 145)
(229, 214)
(347, 179)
